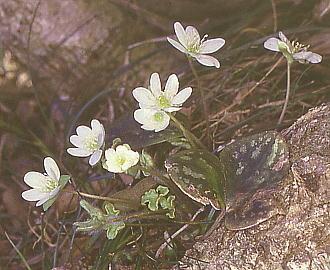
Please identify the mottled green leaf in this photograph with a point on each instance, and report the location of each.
(199, 174)
(244, 176)
(255, 165)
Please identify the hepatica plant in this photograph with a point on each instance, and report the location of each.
(241, 179)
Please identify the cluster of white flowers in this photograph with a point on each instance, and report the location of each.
(88, 142)
(155, 103)
(155, 106)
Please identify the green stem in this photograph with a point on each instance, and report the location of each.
(287, 93)
(205, 108)
(109, 199)
(195, 142)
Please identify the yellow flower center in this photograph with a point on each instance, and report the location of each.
(163, 102)
(158, 116)
(91, 143)
(50, 185)
(121, 160)
(194, 45)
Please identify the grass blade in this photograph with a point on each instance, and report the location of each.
(18, 252)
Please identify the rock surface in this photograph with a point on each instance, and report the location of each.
(298, 238)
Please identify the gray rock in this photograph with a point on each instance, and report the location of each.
(297, 238)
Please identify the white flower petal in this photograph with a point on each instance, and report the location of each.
(48, 197)
(144, 96)
(148, 127)
(171, 87)
(100, 140)
(113, 167)
(311, 57)
(192, 35)
(100, 133)
(130, 162)
(181, 34)
(54, 192)
(147, 118)
(207, 60)
(83, 131)
(182, 96)
(77, 141)
(95, 124)
(172, 109)
(42, 201)
(52, 169)
(121, 150)
(283, 37)
(272, 44)
(155, 85)
(163, 125)
(95, 157)
(140, 115)
(133, 157)
(79, 152)
(97, 127)
(35, 179)
(110, 154)
(177, 45)
(212, 45)
(33, 195)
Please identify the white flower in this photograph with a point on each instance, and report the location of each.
(121, 159)
(44, 186)
(152, 119)
(292, 50)
(168, 100)
(191, 44)
(89, 142)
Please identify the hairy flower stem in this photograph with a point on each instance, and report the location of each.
(287, 93)
(205, 109)
(196, 143)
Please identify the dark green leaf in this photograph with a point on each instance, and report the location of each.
(254, 167)
(199, 174)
